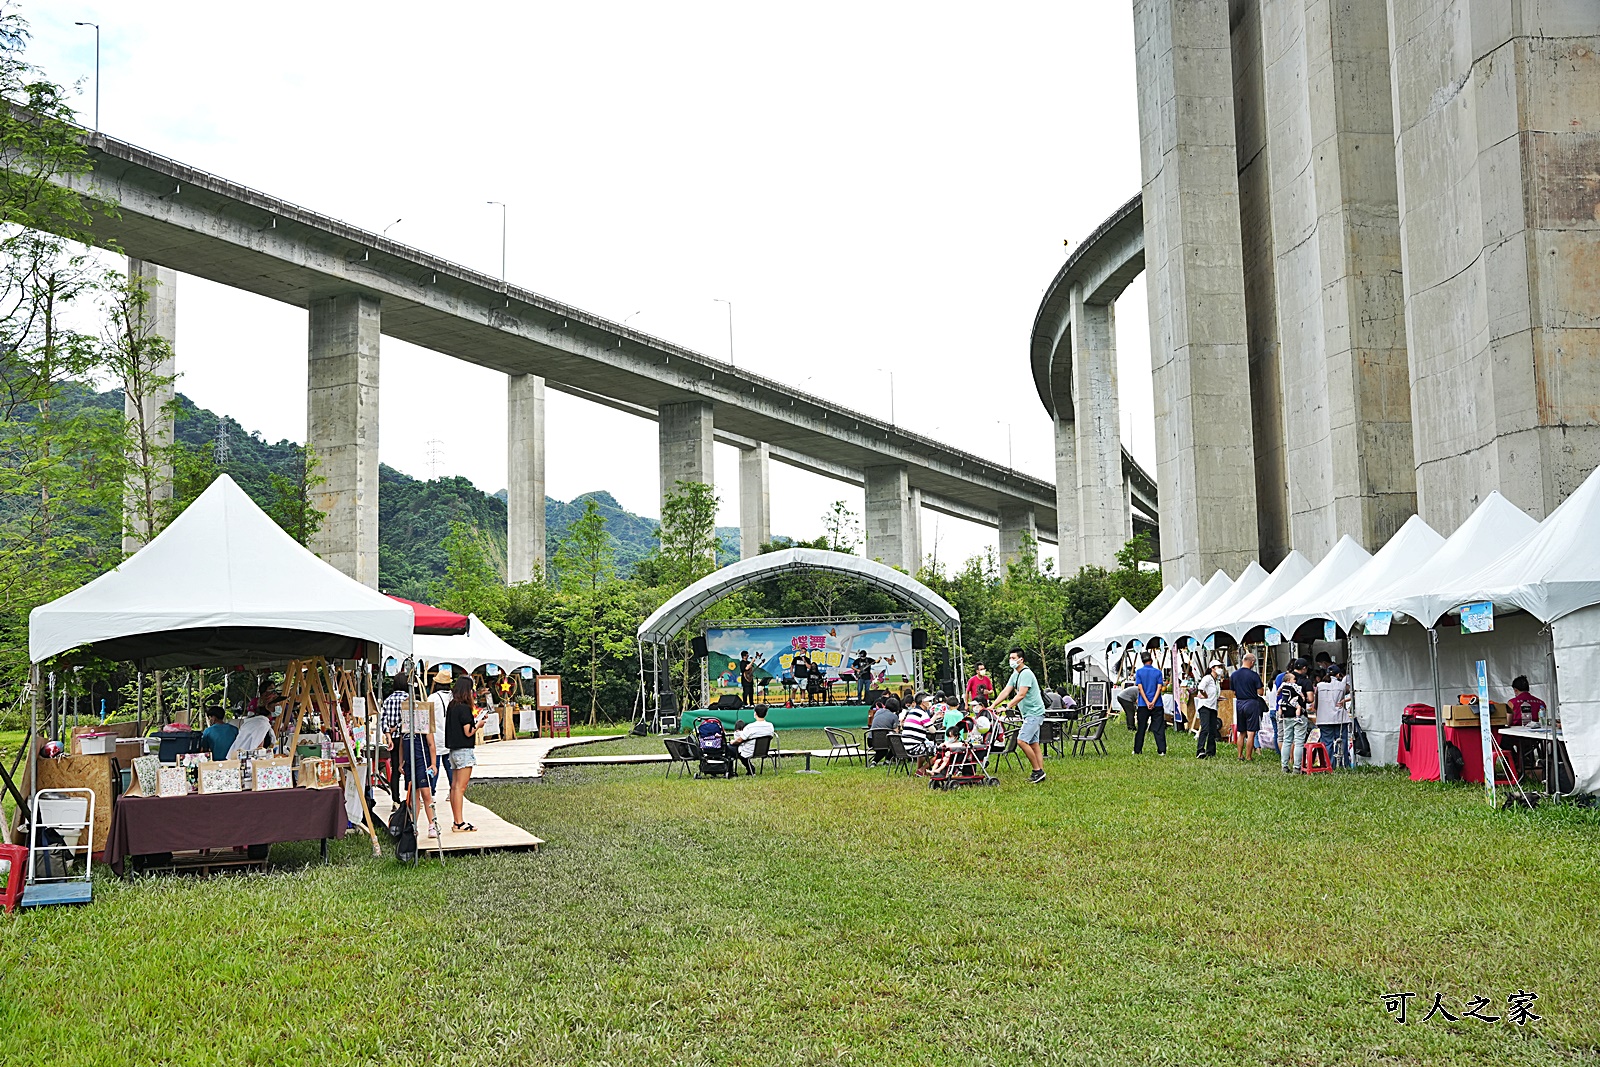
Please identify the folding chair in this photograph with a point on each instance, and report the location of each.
(842, 744)
(878, 744)
(898, 756)
(1091, 731)
(683, 755)
(763, 752)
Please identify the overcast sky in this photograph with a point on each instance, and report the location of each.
(876, 187)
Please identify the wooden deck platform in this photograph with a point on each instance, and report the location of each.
(524, 759)
(492, 832)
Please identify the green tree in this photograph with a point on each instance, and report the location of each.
(140, 360)
(687, 537)
(597, 612)
(292, 501)
(472, 584)
(1037, 601)
(1130, 579)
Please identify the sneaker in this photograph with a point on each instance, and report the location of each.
(1036, 777)
(433, 829)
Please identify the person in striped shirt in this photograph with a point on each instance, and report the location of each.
(916, 728)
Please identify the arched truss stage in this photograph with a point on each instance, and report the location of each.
(671, 618)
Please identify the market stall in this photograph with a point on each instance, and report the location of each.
(224, 586)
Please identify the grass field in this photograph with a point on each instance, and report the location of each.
(1128, 910)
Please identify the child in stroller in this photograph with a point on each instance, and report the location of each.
(963, 759)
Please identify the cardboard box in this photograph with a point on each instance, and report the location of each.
(1467, 716)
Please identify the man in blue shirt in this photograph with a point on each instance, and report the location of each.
(1031, 704)
(219, 735)
(1248, 706)
(1150, 681)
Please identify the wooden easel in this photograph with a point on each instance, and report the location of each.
(304, 686)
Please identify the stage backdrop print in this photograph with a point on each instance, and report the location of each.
(830, 645)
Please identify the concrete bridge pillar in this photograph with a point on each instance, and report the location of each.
(915, 552)
(1016, 523)
(1205, 465)
(525, 544)
(685, 433)
(755, 500)
(1069, 549)
(1103, 513)
(890, 521)
(342, 426)
(160, 320)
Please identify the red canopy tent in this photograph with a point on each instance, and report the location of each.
(432, 620)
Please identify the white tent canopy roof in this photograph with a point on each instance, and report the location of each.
(1119, 634)
(1552, 572)
(1308, 599)
(469, 651)
(222, 585)
(1236, 621)
(1142, 628)
(670, 618)
(1196, 625)
(1407, 552)
(1493, 527)
(1172, 623)
(1097, 637)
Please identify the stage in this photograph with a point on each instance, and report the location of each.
(800, 717)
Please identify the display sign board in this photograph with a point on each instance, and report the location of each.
(1378, 623)
(560, 718)
(1477, 618)
(1484, 735)
(1330, 630)
(547, 690)
(831, 646)
(1273, 637)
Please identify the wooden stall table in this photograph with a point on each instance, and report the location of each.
(145, 826)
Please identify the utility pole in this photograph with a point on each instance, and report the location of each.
(502, 239)
(719, 300)
(96, 26)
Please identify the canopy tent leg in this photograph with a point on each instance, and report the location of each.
(1438, 697)
(1552, 772)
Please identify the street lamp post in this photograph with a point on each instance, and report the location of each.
(96, 26)
(502, 239)
(391, 226)
(719, 300)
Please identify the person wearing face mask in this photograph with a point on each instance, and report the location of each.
(1031, 704)
(1207, 694)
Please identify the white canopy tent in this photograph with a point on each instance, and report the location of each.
(1307, 599)
(1117, 636)
(1098, 636)
(1494, 526)
(1408, 551)
(1145, 626)
(1194, 627)
(471, 651)
(222, 585)
(1235, 623)
(1172, 624)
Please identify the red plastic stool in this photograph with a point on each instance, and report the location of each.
(16, 878)
(1316, 760)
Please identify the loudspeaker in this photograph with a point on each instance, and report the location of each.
(873, 696)
(699, 646)
(919, 639)
(669, 702)
(729, 702)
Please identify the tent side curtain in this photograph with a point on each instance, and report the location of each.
(670, 618)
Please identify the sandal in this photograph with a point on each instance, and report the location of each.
(464, 828)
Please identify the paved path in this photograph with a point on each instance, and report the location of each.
(493, 832)
(525, 758)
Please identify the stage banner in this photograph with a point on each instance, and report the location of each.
(831, 646)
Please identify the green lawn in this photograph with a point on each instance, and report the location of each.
(1128, 910)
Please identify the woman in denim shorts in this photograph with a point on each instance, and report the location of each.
(461, 723)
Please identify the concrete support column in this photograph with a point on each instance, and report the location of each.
(1102, 508)
(685, 434)
(1496, 148)
(1016, 523)
(755, 500)
(1205, 467)
(889, 521)
(160, 320)
(525, 544)
(1069, 549)
(342, 426)
(915, 555)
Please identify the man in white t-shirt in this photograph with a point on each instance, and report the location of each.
(746, 738)
(1207, 693)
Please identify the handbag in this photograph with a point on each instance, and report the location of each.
(1363, 747)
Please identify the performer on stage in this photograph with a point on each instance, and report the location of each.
(863, 671)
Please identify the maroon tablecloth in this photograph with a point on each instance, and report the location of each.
(141, 826)
(1419, 751)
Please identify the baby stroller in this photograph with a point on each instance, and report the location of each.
(968, 763)
(716, 755)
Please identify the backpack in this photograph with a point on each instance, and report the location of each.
(1363, 747)
(1454, 765)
